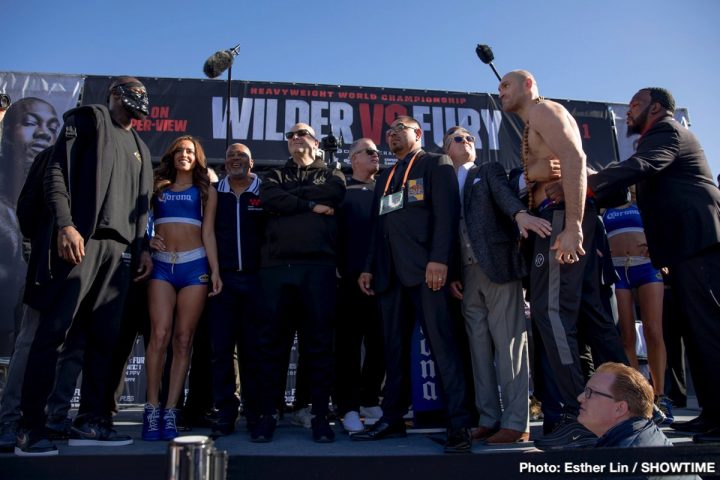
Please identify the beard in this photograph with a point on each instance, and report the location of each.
(638, 123)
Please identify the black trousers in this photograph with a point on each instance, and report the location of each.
(556, 297)
(92, 297)
(308, 293)
(401, 308)
(233, 322)
(358, 323)
(696, 281)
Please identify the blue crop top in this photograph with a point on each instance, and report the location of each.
(178, 207)
(622, 220)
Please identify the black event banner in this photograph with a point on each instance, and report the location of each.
(261, 112)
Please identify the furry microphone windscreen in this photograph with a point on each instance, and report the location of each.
(217, 63)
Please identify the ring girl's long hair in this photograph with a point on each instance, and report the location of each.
(165, 173)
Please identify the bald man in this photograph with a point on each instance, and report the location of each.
(559, 263)
(239, 228)
(298, 275)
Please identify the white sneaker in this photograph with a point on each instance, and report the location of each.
(371, 412)
(302, 418)
(351, 422)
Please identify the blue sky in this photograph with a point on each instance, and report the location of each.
(584, 50)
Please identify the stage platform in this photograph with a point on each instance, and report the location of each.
(293, 455)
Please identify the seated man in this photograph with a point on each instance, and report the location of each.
(617, 406)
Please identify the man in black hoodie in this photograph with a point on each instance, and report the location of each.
(298, 275)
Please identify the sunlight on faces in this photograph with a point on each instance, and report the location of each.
(184, 156)
(599, 413)
(306, 144)
(403, 136)
(238, 161)
(360, 159)
(460, 144)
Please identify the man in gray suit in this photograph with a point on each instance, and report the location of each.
(492, 219)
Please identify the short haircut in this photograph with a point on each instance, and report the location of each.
(406, 119)
(630, 385)
(663, 97)
(452, 131)
(355, 147)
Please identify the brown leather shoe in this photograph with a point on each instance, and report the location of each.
(481, 433)
(507, 435)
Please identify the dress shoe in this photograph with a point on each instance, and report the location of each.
(380, 430)
(321, 431)
(481, 433)
(458, 440)
(711, 436)
(696, 425)
(506, 436)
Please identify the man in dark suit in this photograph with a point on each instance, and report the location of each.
(680, 208)
(416, 226)
(492, 219)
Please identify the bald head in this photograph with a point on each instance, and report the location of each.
(517, 89)
(302, 143)
(238, 162)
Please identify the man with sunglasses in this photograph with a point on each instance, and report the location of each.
(297, 274)
(357, 386)
(491, 223)
(416, 210)
(97, 185)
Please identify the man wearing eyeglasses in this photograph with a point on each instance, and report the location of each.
(357, 387)
(417, 209)
(617, 406)
(491, 223)
(297, 275)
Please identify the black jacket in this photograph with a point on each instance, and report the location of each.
(634, 432)
(75, 184)
(294, 233)
(678, 201)
(424, 230)
(239, 227)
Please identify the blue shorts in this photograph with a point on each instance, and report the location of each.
(636, 276)
(181, 269)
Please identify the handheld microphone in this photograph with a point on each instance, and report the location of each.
(485, 54)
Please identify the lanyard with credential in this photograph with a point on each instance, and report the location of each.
(407, 172)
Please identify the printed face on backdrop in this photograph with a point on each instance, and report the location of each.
(29, 127)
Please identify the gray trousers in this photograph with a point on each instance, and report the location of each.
(497, 331)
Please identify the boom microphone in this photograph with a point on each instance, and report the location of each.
(485, 54)
(220, 61)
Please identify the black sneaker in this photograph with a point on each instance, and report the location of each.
(567, 434)
(8, 436)
(97, 433)
(58, 428)
(263, 430)
(658, 416)
(33, 444)
(458, 440)
(321, 431)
